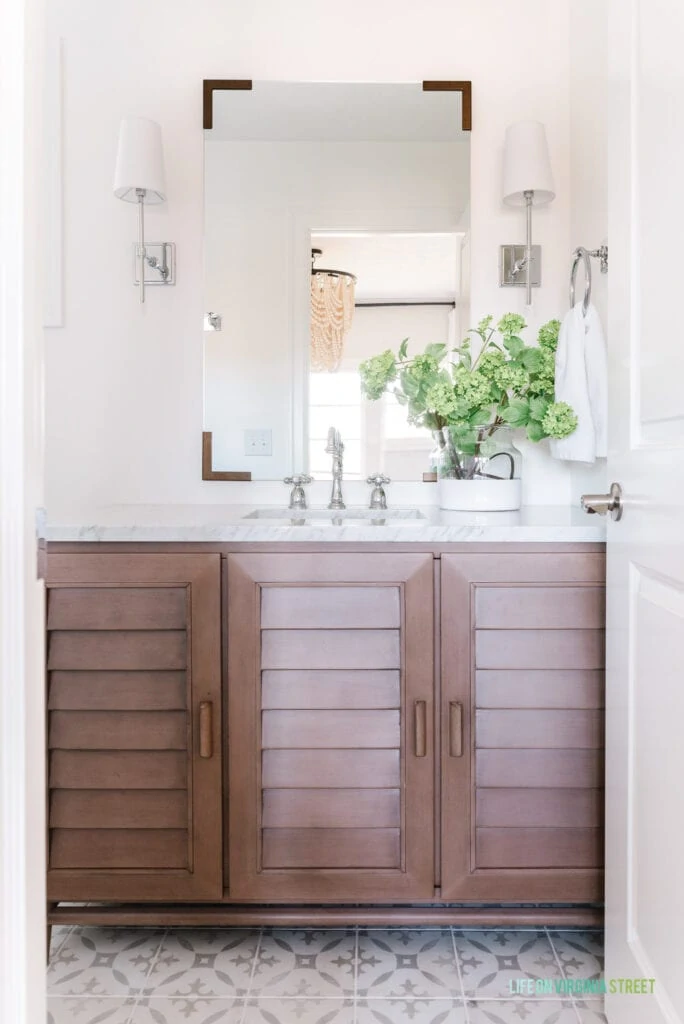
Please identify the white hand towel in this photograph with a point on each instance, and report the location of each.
(582, 382)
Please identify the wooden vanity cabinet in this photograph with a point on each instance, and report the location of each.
(330, 735)
(522, 645)
(325, 727)
(134, 727)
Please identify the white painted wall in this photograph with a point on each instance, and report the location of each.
(262, 201)
(589, 173)
(124, 384)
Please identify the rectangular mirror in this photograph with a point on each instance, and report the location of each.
(374, 180)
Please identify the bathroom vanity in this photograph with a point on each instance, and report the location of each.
(275, 721)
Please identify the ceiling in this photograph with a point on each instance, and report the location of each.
(337, 111)
(395, 266)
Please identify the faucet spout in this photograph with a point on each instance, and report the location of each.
(335, 447)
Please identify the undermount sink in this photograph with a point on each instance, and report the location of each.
(330, 514)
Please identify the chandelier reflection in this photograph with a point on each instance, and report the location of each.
(332, 311)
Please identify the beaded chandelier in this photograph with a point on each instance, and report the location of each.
(332, 309)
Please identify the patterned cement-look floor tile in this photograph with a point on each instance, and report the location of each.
(415, 1011)
(180, 1011)
(591, 1011)
(201, 963)
(299, 1011)
(313, 976)
(519, 1011)
(491, 962)
(305, 963)
(103, 962)
(89, 1010)
(580, 953)
(406, 964)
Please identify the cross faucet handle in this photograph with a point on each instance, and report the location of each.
(298, 494)
(378, 498)
(298, 480)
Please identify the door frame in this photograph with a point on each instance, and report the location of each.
(22, 755)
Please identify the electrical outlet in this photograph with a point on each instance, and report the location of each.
(258, 442)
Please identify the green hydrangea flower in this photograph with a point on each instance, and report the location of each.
(511, 323)
(484, 324)
(490, 362)
(559, 420)
(515, 378)
(548, 335)
(376, 373)
(422, 366)
(472, 386)
(543, 381)
(442, 399)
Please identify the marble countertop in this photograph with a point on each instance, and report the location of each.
(543, 524)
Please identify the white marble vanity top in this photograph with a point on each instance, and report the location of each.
(543, 524)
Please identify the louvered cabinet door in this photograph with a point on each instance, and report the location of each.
(522, 741)
(331, 760)
(134, 692)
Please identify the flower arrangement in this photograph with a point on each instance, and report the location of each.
(505, 383)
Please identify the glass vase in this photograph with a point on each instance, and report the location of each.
(480, 470)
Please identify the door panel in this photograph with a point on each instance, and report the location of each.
(133, 648)
(522, 801)
(330, 663)
(645, 754)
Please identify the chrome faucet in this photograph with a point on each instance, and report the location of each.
(335, 448)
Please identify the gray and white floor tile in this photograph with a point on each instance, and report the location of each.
(319, 976)
(493, 962)
(405, 964)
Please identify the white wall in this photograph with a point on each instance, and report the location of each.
(262, 201)
(124, 384)
(589, 173)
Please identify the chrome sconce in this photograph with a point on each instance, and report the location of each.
(528, 182)
(139, 178)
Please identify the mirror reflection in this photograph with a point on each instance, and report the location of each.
(336, 225)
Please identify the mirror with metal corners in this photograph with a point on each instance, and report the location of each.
(336, 224)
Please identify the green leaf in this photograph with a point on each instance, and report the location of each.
(403, 349)
(514, 346)
(535, 431)
(437, 351)
(538, 407)
(517, 413)
(532, 359)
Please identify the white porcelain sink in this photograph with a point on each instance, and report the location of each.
(349, 515)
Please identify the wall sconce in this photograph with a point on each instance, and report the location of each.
(139, 178)
(528, 182)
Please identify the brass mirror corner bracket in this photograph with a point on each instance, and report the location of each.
(208, 472)
(208, 86)
(466, 90)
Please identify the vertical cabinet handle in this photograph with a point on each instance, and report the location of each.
(206, 728)
(455, 728)
(420, 726)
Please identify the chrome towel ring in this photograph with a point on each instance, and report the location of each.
(585, 254)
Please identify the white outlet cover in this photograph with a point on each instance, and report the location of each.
(258, 442)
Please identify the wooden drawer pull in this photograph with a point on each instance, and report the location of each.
(206, 728)
(420, 726)
(455, 729)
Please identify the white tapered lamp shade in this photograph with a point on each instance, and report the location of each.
(140, 162)
(527, 167)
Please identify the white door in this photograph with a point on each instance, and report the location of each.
(645, 695)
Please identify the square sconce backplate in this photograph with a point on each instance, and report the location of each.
(512, 256)
(161, 256)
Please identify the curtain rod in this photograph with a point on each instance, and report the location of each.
(367, 305)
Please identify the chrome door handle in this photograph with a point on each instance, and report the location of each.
(605, 504)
